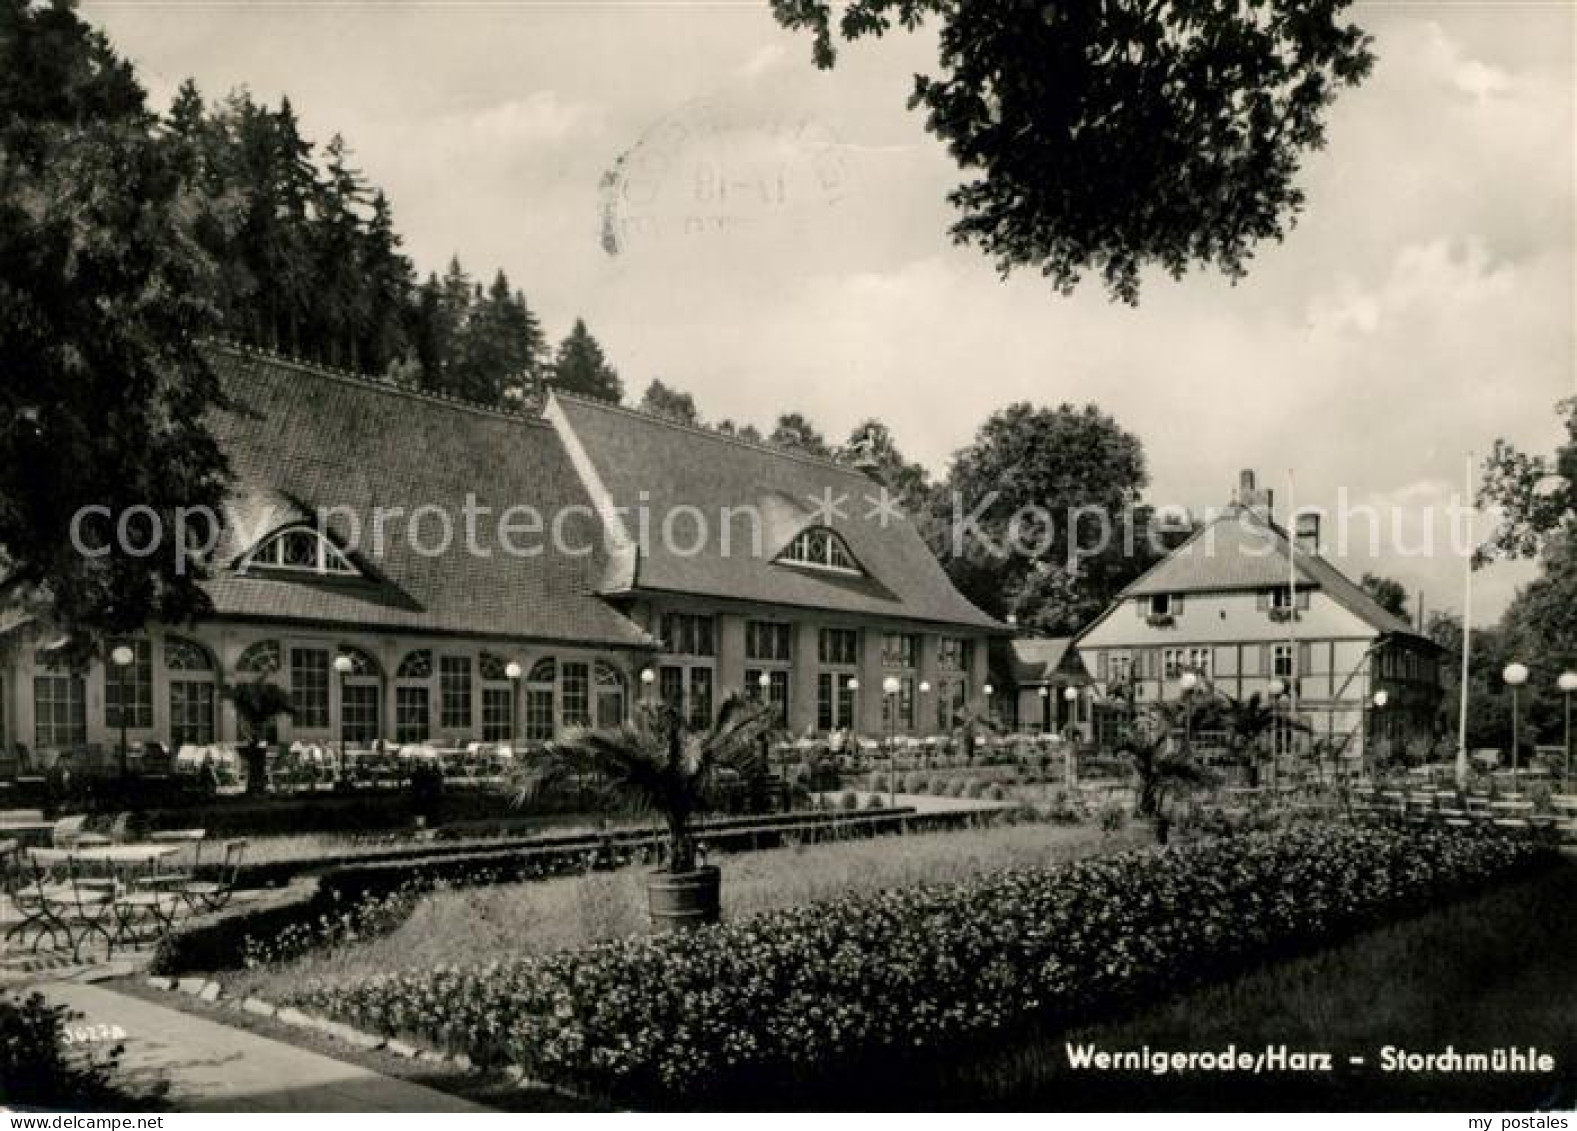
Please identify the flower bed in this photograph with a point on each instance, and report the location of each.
(787, 995)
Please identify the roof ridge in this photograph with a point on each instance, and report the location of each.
(378, 384)
(707, 431)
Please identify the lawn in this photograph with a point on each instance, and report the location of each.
(1489, 972)
(487, 923)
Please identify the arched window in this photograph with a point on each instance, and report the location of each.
(498, 698)
(416, 665)
(541, 700)
(265, 658)
(361, 695)
(191, 671)
(413, 697)
(609, 691)
(821, 548)
(303, 549)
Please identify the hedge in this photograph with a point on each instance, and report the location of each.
(786, 996)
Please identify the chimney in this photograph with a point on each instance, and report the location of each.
(1251, 498)
(1308, 534)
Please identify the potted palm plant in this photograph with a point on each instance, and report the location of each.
(658, 763)
(1155, 739)
(256, 705)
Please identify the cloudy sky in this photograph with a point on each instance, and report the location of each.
(774, 237)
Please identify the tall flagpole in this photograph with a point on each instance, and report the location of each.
(1467, 628)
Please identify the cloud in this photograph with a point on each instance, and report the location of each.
(536, 121)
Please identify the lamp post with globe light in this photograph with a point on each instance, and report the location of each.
(648, 678)
(1379, 699)
(1568, 684)
(122, 656)
(1070, 752)
(1278, 691)
(1515, 675)
(1189, 682)
(1045, 709)
(512, 672)
(343, 666)
(890, 688)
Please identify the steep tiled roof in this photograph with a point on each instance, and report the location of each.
(1036, 659)
(1242, 549)
(300, 439)
(647, 462)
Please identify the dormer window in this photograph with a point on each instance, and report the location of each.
(301, 549)
(1161, 605)
(820, 548)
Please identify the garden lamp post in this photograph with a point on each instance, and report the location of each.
(343, 665)
(1045, 709)
(1278, 691)
(648, 677)
(512, 672)
(924, 690)
(1379, 699)
(890, 688)
(1515, 676)
(1189, 683)
(1070, 753)
(122, 656)
(1567, 683)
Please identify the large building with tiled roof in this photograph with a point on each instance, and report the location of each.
(412, 567)
(1253, 610)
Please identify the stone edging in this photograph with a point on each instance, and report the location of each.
(209, 990)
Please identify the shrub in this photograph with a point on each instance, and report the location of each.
(875, 801)
(879, 782)
(996, 793)
(975, 789)
(41, 1064)
(939, 785)
(771, 1000)
(848, 799)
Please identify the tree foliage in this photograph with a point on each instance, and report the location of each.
(1111, 135)
(871, 446)
(674, 404)
(1536, 495)
(795, 433)
(1039, 517)
(1388, 593)
(103, 291)
(581, 367)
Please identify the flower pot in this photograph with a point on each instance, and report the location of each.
(681, 900)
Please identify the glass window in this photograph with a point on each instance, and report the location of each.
(777, 690)
(903, 701)
(301, 548)
(822, 548)
(951, 696)
(1161, 605)
(1281, 661)
(898, 650)
(610, 696)
(191, 713)
(700, 698)
(412, 714)
(454, 693)
(309, 687)
(359, 712)
(575, 685)
(670, 685)
(767, 640)
(494, 668)
(835, 701)
(689, 634)
(183, 655)
(953, 653)
(60, 713)
(132, 685)
(497, 714)
(416, 665)
(839, 646)
(262, 658)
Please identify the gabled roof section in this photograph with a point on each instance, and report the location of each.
(1038, 659)
(755, 500)
(1242, 549)
(302, 440)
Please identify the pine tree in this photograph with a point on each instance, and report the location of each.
(580, 367)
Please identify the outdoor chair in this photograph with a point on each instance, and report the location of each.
(145, 902)
(64, 903)
(212, 895)
(187, 873)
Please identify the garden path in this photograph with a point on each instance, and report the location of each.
(213, 1067)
